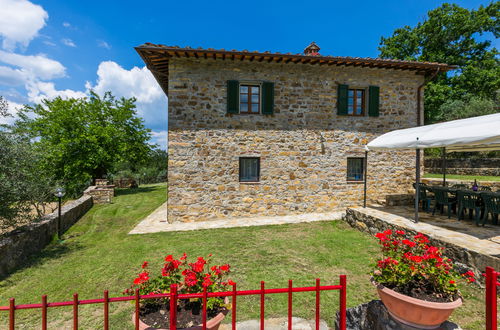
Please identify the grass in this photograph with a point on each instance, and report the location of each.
(463, 177)
(98, 254)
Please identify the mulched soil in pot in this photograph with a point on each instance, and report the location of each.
(188, 314)
(424, 291)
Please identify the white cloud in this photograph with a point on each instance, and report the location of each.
(36, 66)
(20, 21)
(68, 42)
(160, 138)
(103, 44)
(49, 43)
(136, 82)
(66, 24)
(11, 77)
(39, 90)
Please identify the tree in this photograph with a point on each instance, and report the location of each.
(83, 139)
(4, 107)
(24, 186)
(453, 35)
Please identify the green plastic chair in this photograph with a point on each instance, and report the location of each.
(491, 206)
(484, 188)
(460, 186)
(442, 199)
(423, 197)
(470, 201)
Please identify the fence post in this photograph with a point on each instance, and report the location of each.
(262, 293)
(75, 311)
(233, 309)
(12, 313)
(106, 310)
(44, 312)
(137, 306)
(173, 307)
(343, 297)
(204, 316)
(317, 304)
(491, 299)
(289, 304)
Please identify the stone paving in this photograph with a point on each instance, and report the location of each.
(157, 221)
(277, 324)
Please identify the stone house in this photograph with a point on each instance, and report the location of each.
(268, 134)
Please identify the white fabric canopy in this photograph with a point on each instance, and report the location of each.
(471, 134)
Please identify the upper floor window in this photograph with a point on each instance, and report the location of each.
(356, 102)
(249, 99)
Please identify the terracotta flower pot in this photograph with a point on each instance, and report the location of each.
(212, 324)
(416, 312)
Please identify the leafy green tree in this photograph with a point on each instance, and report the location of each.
(25, 187)
(4, 107)
(458, 36)
(83, 139)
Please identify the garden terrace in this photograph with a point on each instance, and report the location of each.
(98, 254)
(477, 247)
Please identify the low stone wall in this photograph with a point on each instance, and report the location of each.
(101, 194)
(372, 225)
(399, 199)
(494, 185)
(17, 246)
(467, 166)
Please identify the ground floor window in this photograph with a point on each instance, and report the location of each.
(355, 168)
(249, 169)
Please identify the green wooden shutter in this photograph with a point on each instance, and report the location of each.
(233, 96)
(342, 100)
(373, 101)
(267, 98)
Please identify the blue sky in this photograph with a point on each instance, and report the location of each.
(50, 48)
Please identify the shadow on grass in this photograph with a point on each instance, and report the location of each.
(132, 191)
(52, 251)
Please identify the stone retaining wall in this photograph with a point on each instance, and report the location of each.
(467, 166)
(17, 246)
(494, 185)
(372, 225)
(102, 194)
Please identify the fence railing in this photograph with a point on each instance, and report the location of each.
(174, 297)
(491, 298)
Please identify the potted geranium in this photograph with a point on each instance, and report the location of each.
(416, 283)
(190, 277)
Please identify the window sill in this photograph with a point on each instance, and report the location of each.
(250, 182)
(354, 182)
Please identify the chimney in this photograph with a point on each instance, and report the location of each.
(312, 49)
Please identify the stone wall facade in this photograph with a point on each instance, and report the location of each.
(303, 147)
(464, 166)
(17, 246)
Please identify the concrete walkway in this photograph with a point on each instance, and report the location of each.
(277, 324)
(157, 221)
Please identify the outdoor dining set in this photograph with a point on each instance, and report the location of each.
(480, 202)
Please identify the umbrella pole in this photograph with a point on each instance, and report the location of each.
(366, 178)
(443, 164)
(417, 188)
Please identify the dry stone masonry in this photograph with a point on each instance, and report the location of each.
(303, 145)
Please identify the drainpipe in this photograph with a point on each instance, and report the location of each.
(419, 95)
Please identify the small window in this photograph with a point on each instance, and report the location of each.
(250, 99)
(249, 169)
(355, 169)
(356, 102)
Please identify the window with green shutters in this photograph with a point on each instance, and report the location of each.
(354, 101)
(250, 98)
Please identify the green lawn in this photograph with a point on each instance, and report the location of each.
(463, 177)
(98, 254)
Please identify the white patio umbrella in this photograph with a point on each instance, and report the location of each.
(472, 134)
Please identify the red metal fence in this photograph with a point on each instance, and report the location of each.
(491, 298)
(173, 303)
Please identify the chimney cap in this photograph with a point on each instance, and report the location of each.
(312, 49)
